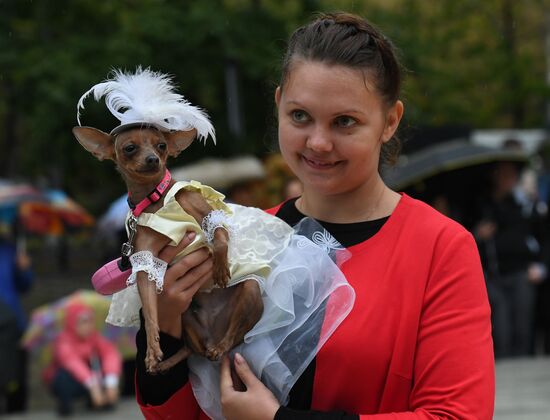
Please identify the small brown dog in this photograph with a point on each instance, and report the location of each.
(219, 318)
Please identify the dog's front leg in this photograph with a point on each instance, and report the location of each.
(220, 261)
(149, 243)
(148, 294)
(196, 205)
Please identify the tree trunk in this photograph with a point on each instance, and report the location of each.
(516, 107)
(8, 158)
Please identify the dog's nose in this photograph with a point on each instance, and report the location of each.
(152, 160)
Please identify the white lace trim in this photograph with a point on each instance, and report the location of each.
(154, 267)
(212, 221)
(326, 241)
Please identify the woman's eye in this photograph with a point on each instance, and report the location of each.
(130, 148)
(161, 146)
(299, 116)
(345, 121)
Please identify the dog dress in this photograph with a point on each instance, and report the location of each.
(304, 293)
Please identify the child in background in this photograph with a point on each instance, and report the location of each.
(85, 364)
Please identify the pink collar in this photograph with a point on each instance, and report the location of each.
(153, 196)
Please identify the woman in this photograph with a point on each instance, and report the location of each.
(84, 365)
(417, 343)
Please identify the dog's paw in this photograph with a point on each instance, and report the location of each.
(220, 271)
(216, 352)
(221, 276)
(153, 357)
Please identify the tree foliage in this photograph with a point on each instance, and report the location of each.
(468, 62)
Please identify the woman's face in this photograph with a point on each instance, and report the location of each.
(332, 124)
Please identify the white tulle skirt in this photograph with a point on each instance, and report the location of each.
(305, 298)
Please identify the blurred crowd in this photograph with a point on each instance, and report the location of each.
(510, 223)
(86, 364)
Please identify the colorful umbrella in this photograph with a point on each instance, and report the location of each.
(47, 322)
(53, 215)
(12, 194)
(71, 213)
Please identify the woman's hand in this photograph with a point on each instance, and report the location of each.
(181, 281)
(256, 403)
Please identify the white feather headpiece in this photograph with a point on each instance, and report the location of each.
(149, 97)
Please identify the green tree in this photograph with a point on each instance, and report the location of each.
(468, 62)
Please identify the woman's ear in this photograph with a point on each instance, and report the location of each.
(393, 117)
(278, 96)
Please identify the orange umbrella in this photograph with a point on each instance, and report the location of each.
(40, 218)
(54, 215)
(71, 213)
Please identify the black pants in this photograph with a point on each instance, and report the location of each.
(66, 390)
(512, 299)
(15, 395)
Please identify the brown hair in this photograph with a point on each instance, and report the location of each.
(349, 40)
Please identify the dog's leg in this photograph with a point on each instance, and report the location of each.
(197, 206)
(173, 360)
(149, 240)
(246, 308)
(196, 327)
(148, 294)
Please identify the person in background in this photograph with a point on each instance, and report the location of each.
(85, 365)
(508, 237)
(417, 343)
(16, 278)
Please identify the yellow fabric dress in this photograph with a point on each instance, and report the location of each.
(255, 239)
(305, 295)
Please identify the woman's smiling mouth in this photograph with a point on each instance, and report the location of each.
(319, 164)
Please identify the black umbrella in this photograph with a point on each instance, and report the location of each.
(457, 170)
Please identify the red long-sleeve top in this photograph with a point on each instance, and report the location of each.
(417, 344)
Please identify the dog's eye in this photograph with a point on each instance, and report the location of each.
(161, 146)
(130, 148)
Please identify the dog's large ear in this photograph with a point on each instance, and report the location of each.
(95, 141)
(178, 141)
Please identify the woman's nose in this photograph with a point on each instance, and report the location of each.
(320, 140)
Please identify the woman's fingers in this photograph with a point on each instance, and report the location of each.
(244, 372)
(169, 252)
(226, 382)
(188, 270)
(201, 280)
(181, 282)
(242, 369)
